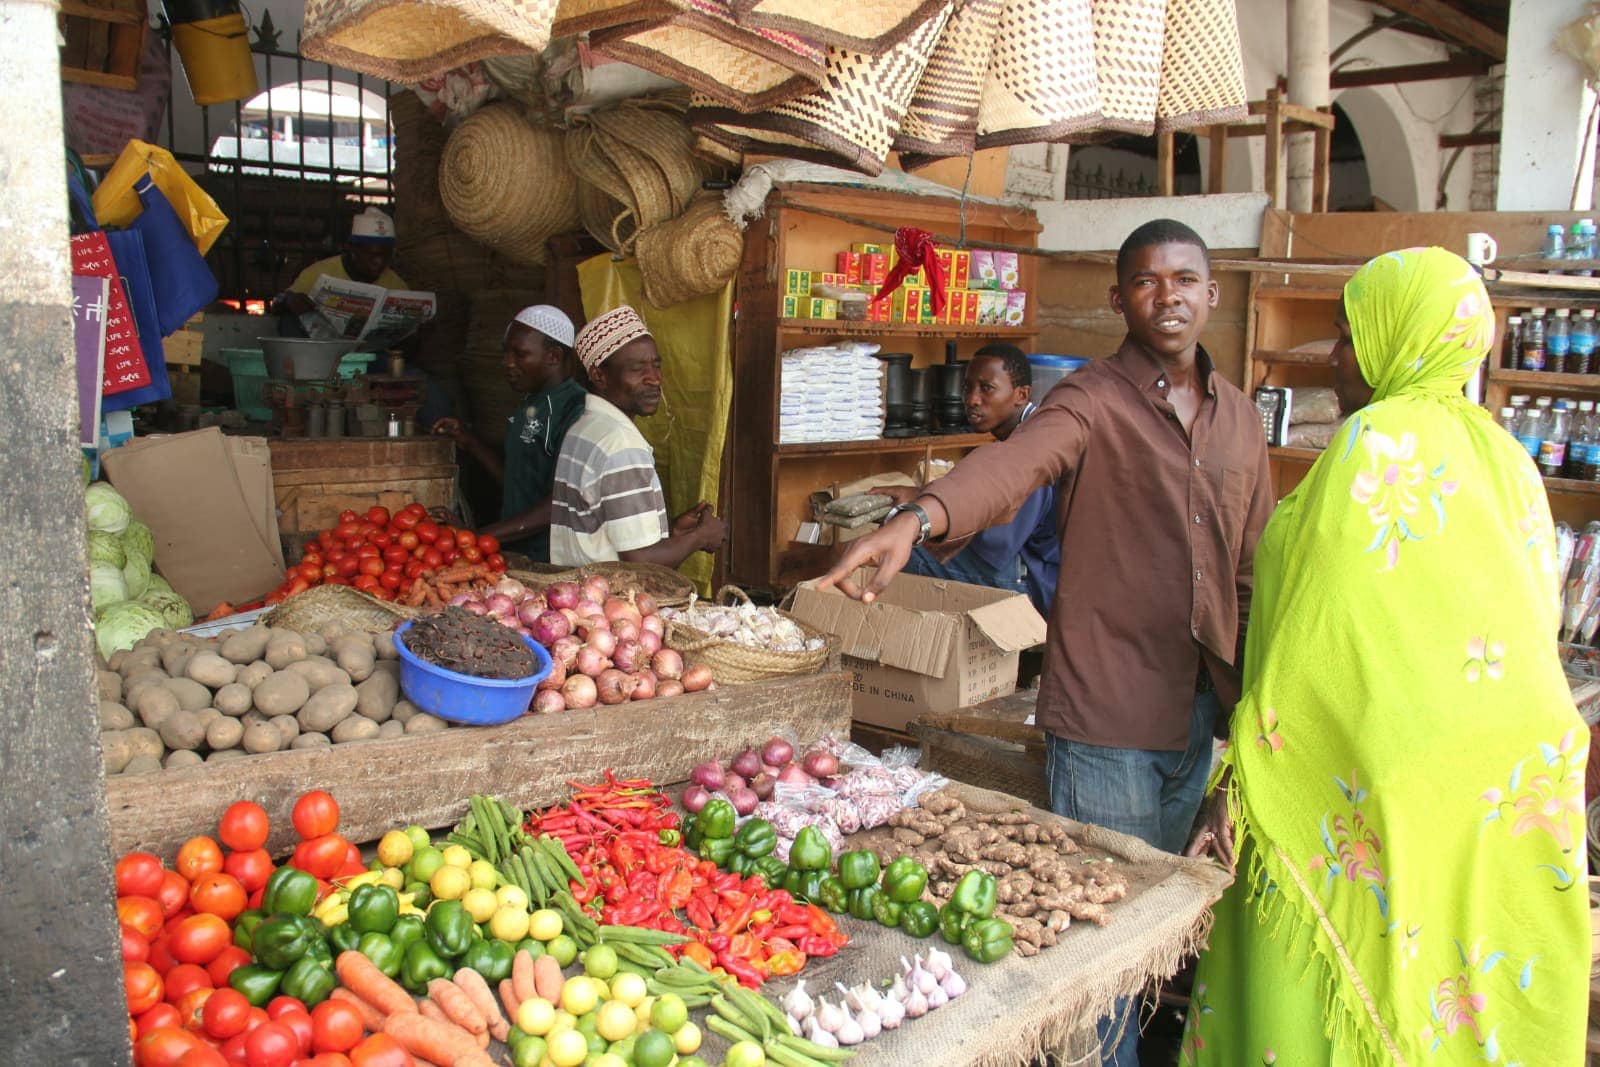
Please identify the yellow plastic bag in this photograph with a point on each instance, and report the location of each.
(116, 204)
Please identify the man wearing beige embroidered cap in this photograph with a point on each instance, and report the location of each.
(537, 353)
(607, 502)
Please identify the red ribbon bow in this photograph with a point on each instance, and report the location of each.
(914, 249)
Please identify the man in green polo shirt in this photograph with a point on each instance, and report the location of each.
(538, 358)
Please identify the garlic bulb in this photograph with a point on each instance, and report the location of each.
(936, 997)
(939, 963)
(871, 1024)
(891, 1013)
(954, 985)
(849, 1032)
(818, 1036)
(828, 1016)
(798, 1003)
(916, 1005)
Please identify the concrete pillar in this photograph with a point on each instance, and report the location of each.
(60, 959)
(1546, 110)
(1308, 86)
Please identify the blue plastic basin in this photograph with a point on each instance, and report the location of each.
(463, 698)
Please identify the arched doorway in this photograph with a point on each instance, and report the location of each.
(1349, 183)
(1388, 153)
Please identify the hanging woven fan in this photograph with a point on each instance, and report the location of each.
(407, 41)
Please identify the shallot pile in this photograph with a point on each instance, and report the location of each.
(746, 624)
(862, 1012)
(752, 776)
(605, 648)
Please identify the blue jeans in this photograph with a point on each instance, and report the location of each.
(967, 567)
(1153, 796)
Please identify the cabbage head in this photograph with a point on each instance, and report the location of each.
(136, 572)
(137, 540)
(125, 625)
(107, 510)
(158, 584)
(106, 548)
(173, 608)
(107, 586)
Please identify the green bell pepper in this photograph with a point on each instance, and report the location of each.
(953, 924)
(756, 838)
(420, 966)
(919, 918)
(832, 894)
(244, 927)
(279, 942)
(310, 981)
(407, 929)
(772, 870)
(987, 940)
(904, 880)
(861, 901)
(741, 864)
(258, 984)
(316, 937)
(491, 958)
(692, 835)
(374, 908)
(450, 928)
(716, 819)
(718, 850)
(804, 885)
(810, 851)
(858, 869)
(975, 894)
(343, 937)
(886, 912)
(384, 953)
(289, 891)
(671, 838)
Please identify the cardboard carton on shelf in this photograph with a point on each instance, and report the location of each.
(925, 645)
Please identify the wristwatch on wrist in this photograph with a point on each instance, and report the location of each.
(922, 517)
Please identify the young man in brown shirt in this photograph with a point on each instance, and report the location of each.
(1162, 489)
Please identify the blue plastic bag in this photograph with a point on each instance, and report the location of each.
(182, 282)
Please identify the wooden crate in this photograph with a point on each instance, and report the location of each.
(313, 480)
(104, 41)
(988, 745)
(426, 779)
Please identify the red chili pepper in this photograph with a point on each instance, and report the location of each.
(820, 921)
(717, 942)
(677, 888)
(740, 969)
(699, 913)
(816, 946)
(790, 914)
(793, 933)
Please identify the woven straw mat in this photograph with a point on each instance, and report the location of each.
(1128, 36)
(872, 27)
(694, 254)
(507, 183)
(1041, 83)
(587, 16)
(638, 154)
(407, 41)
(313, 609)
(849, 123)
(701, 46)
(1202, 73)
(942, 119)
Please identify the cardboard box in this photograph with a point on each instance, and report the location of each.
(982, 270)
(184, 348)
(816, 307)
(924, 645)
(791, 306)
(1016, 307)
(947, 265)
(908, 303)
(866, 249)
(969, 310)
(874, 268)
(849, 265)
(960, 270)
(1006, 269)
(797, 282)
(991, 307)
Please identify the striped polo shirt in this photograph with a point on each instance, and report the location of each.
(607, 499)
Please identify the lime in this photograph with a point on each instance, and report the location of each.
(536, 1016)
(623, 1050)
(669, 1013)
(691, 1061)
(568, 1048)
(545, 924)
(456, 856)
(600, 961)
(421, 895)
(531, 947)
(508, 923)
(451, 883)
(607, 1059)
(578, 996)
(745, 1054)
(653, 1049)
(395, 849)
(597, 1044)
(527, 1052)
(629, 988)
(687, 1039)
(424, 862)
(419, 837)
(614, 1021)
(564, 949)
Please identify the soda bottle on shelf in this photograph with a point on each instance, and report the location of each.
(1577, 465)
(1511, 344)
(1580, 360)
(1533, 341)
(1530, 431)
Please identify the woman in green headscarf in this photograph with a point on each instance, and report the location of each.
(1405, 782)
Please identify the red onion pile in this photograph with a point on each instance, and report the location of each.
(605, 648)
(752, 775)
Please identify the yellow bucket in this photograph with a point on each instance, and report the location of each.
(216, 58)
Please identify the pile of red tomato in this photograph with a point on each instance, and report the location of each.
(380, 553)
(178, 951)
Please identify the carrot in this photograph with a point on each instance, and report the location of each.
(478, 991)
(547, 978)
(371, 1017)
(359, 975)
(431, 1010)
(441, 1042)
(480, 1059)
(483, 1041)
(522, 971)
(457, 1005)
(508, 997)
(456, 575)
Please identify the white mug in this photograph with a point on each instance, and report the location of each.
(1481, 249)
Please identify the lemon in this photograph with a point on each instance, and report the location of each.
(545, 924)
(483, 874)
(512, 896)
(565, 1020)
(479, 903)
(508, 923)
(668, 1013)
(600, 961)
(395, 849)
(456, 856)
(745, 1054)
(641, 1011)
(394, 878)
(578, 996)
(629, 988)
(606, 1059)
(536, 1016)
(615, 1020)
(567, 1048)
(687, 1039)
(450, 883)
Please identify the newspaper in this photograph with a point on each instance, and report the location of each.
(355, 311)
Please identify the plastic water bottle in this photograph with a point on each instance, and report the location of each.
(1508, 420)
(1588, 248)
(1555, 242)
(1558, 342)
(1533, 340)
(1530, 431)
(1580, 360)
(1511, 344)
(1578, 448)
(1575, 245)
(1553, 448)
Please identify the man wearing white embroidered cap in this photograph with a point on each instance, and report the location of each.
(537, 355)
(607, 501)
(366, 256)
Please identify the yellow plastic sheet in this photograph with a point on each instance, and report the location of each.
(116, 204)
(697, 385)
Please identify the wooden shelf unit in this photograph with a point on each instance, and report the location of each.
(768, 485)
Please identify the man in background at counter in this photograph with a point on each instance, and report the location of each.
(366, 256)
(1161, 476)
(1024, 554)
(607, 501)
(538, 357)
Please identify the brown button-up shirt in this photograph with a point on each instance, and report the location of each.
(1158, 528)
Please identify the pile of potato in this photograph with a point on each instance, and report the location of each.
(175, 700)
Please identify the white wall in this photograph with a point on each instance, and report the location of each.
(1545, 113)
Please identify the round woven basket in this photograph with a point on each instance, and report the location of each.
(310, 611)
(696, 253)
(637, 157)
(734, 664)
(507, 183)
(667, 587)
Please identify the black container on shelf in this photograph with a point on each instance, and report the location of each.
(922, 399)
(951, 407)
(897, 394)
